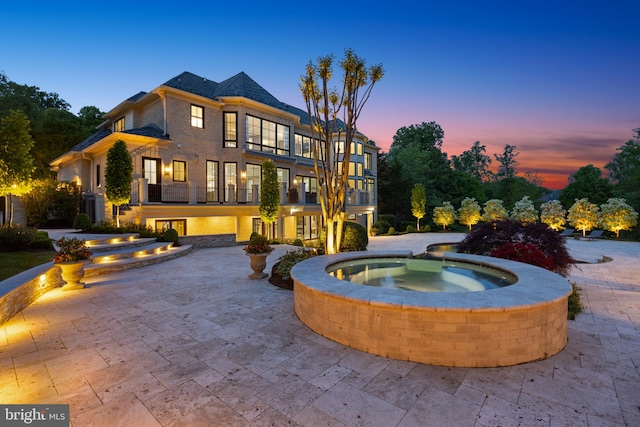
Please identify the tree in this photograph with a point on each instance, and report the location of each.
(508, 162)
(583, 215)
(474, 162)
(469, 212)
(524, 211)
(553, 214)
(616, 215)
(269, 194)
(444, 215)
(90, 117)
(118, 176)
(418, 203)
(391, 186)
(324, 107)
(624, 170)
(587, 182)
(494, 211)
(16, 164)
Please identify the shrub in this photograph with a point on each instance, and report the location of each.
(410, 229)
(42, 241)
(298, 242)
(426, 228)
(82, 222)
(488, 236)
(169, 235)
(354, 237)
(16, 238)
(391, 231)
(382, 226)
(523, 252)
(286, 262)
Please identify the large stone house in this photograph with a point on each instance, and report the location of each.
(198, 147)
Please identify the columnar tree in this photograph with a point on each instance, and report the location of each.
(269, 194)
(16, 163)
(469, 212)
(418, 202)
(524, 211)
(553, 214)
(494, 210)
(616, 215)
(583, 215)
(118, 176)
(333, 114)
(444, 215)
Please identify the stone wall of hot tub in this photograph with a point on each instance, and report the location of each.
(520, 323)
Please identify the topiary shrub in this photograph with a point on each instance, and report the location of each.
(169, 235)
(298, 242)
(82, 222)
(42, 242)
(492, 235)
(354, 237)
(381, 226)
(426, 228)
(410, 229)
(391, 231)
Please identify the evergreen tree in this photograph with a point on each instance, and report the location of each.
(118, 176)
(269, 194)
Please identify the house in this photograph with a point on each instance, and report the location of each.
(198, 147)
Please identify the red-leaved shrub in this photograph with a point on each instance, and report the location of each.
(523, 252)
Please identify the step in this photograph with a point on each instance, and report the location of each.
(136, 259)
(138, 247)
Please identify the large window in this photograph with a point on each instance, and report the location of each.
(151, 170)
(197, 116)
(267, 136)
(283, 176)
(180, 225)
(179, 171)
(307, 227)
(118, 125)
(303, 145)
(212, 181)
(230, 130)
(230, 177)
(254, 176)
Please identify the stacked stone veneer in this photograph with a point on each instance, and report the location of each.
(17, 292)
(523, 322)
(209, 241)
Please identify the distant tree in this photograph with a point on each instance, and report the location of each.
(333, 114)
(583, 215)
(16, 163)
(444, 215)
(510, 190)
(269, 194)
(418, 203)
(616, 215)
(553, 214)
(425, 135)
(469, 212)
(508, 162)
(587, 182)
(392, 185)
(90, 117)
(118, 176)
(624, 170)
(494, 211)
(524, 211)
(474, 162)
(28, 99)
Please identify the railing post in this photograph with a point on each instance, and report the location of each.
(232, 193)
(255, 193)
(302, 196)
(283, 193)
(193, 193)
(144, 191)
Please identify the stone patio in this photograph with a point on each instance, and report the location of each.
(192, 341)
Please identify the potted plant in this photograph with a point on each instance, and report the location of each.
(258, 249)
(71, 255)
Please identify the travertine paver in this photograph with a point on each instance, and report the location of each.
(193, 342)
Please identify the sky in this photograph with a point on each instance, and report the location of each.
(559, 79)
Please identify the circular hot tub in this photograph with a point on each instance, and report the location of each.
(504, 326)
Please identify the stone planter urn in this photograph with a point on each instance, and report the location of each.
(258, 264)
(72, 274)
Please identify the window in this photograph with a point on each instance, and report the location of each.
(338, 147)
(98, 176)
(151, 170)
(212, 181)
(267, 136)
(118, 125)
(303, 146)
(283, 176)
(368, 161)
(352, 168)
(180, 225)
(230, 130)
(197, 116)
(360, 171)
(230, 178)
(307, 227)
(179, 171)
(254, 176)
(359, 148)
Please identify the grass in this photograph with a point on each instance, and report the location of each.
(12, 263)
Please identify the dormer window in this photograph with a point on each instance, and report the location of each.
(118, 125)
(197, 116)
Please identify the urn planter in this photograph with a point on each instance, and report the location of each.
(72, 274)
(258, 264)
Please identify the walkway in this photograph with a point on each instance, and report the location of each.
(193, 342)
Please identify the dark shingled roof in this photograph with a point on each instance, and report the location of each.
(151, 131)
(92, 140)
(239, 85)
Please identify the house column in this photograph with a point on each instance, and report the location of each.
(144, 190)
(193, 195)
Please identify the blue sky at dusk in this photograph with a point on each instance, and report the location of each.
(558, 79)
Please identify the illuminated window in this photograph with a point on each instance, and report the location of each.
(339, 147)
(368, 161)
(352, 168)
(267, 136)
(98, 176)
(212, 181)
(360, 171)
(180, 225)
(253, 177)
(230, 130)
(179, 171)
(197, 116)
(118, 125)
(230, 177)
(359, 149)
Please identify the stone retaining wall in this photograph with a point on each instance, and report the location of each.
(19, 291)
(209, 241)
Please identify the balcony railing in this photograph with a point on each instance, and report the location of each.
(143, 193)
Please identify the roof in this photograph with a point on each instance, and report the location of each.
(151, 130)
